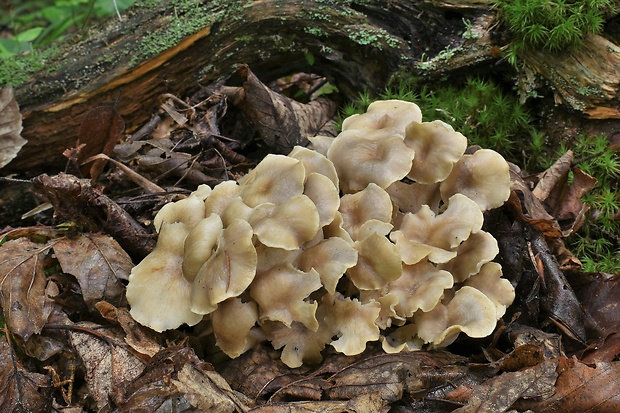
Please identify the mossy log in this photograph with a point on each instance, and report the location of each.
(178, 47)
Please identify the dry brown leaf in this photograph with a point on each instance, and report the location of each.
(10, 127)
(280, 122)
(498, 394)
(332, 406)
(98, 263)
(176, 376)
(260, 372)
(78, 200)
(19, 389)
(528, 208)
(581, 388)
(107, 359)
(136, 335)
(554, 178)
(153, 389)
(558, 298)
(22, 286)
(101, 129)
(208, 391)
(569, 208)
(599, 294)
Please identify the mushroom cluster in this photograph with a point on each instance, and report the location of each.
(372, 235)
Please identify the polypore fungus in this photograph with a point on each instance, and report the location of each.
(374, 235)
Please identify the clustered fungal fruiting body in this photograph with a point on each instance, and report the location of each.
(373, 235)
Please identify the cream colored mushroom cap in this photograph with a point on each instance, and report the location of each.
(189, 211)
(499, 290)
(330, 258)
(360, 160)
(421, 287)
(389, 117)
(425, 234)
(228, 272)
(314, 161)
(276, 179)
(281, 294)
(483, 176)
(233, 326)
(378, 263)
(157, 292)
(199, 245)
(372, 203)
(469, 311)
(301, 344)
(480, 248)
(222, 194)
(437, 148)
(287, 225)
(352, 321)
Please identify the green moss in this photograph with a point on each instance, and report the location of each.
(189, 17)
(18, 69)
(597, 244)
(372, 37)
(479, 109)
(553, 25)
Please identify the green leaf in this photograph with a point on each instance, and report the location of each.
(29, 35)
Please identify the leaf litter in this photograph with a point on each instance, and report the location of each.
(70, 344)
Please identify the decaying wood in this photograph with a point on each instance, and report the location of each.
(356, 45)
(175, 49)
(587, 79)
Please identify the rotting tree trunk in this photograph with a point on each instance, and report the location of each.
(178, 47)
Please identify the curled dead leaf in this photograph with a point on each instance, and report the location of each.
(11, 140)
(99, 264)
(19, 388)
(108, 360)
(101, 129)
(23, 286)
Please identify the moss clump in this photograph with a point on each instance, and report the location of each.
(18, 69)
(597, 244)
(550, 24)
(479, 109)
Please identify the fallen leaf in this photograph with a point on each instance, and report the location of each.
(328, 406)
(98, 263)
(581, 388)
(10, 127)
(280, 122)
(569, 207)
(153, 389)
(177, 376)
(107, 359)
(22, 286)
(100, 130)
(208, 391)
(557, 296)
(554, 178)
(20, 390)
(136, 335)
(77, 200)
(528, 208)
(259, 372)
(498, 394)
(598, 293)
(392, 375)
